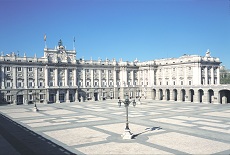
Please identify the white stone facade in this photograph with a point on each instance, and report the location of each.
(59, 77)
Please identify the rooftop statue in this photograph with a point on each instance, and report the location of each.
(60, 43)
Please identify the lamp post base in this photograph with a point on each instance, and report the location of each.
(127, 134)
(35, 108)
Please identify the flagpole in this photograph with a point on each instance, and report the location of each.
(73, 43)
(45, 40)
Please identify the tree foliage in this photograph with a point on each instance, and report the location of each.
(224, 76)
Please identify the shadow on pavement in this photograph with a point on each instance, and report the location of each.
(26, 141)
(147, 130)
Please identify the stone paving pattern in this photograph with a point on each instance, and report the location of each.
(158, 127)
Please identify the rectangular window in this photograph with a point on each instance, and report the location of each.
(87, 83)
(30, 69)
(19, 84)
(40, 83)
(8, 98)
(51, 70)
(19, 69)
(7, 68)
(30, 84)
(70, 83)
(60, 83)
(40, 69)
(7, 84)
(41, 96)
(51, 83)
(30, 97)
(110, 83)
(190, 82)
(181, 82)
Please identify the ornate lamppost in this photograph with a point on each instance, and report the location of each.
(127, 134)
(35, 99)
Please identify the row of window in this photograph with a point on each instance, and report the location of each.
(30, 97)
(19, 69)
(174, 83)
(21, 84)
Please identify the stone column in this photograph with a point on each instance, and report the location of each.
(67, 96)
(76, 96)
(212, 76)
(57, 96)
(171, 95)
(157, 94)
(205, 97)
(25, 77)
(132, 78)
(56, 77)
(138, 76)
(187, 96)
(196, 97)
(66, 78)
(107, 77)
(83, 72)
(46, 77)
(179, 96)
(206, 75)
(36, 77)
(74, 77)
(14, 77)
(3, 77)
(218, 76)
(114, 77)
(99, 72)
(164, 95)
(92, 78)
(46, 101)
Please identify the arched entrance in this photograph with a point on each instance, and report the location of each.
(182, 95)
(191, 95)
(200, 95)
(167, 93)
(224, 96)
(174, 94)
(210, 95)
(160, 94)
(154, 94)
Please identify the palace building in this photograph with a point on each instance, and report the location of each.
(59, 77)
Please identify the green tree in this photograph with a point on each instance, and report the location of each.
(224, 75)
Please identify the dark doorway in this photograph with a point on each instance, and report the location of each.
(19, 99)
(96, 96)
(51, 98)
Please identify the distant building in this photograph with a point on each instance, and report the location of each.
(59, 77)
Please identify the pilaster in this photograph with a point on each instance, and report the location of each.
(57, 97)
(3, 77)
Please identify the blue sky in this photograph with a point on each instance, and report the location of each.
(127, 29)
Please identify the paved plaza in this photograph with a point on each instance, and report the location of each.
(95, 127)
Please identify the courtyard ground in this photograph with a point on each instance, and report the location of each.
(95, 128)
